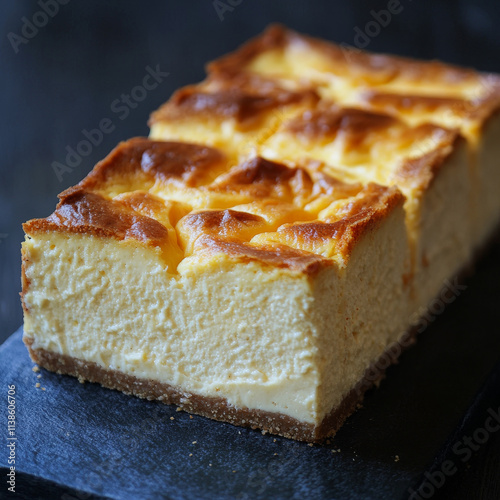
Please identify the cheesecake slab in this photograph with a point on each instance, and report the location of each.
(286, 224)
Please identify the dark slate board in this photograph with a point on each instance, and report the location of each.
(87, 438)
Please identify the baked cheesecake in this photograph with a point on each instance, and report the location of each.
(258, 257)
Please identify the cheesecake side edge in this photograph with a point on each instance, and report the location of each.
(219, 409)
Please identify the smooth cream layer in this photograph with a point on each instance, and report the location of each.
(240, 332)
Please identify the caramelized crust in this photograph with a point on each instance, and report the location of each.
(241, 98)
(288, 153)
(421, 91)
(271, 254)
(260, 178)
(417, 173)
(80, 211)
(275, 37)
(231, 225)
(337, 230)
(141, 162)
(265, 197)
(329, 121)
(350, 63)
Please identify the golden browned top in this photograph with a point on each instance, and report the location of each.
(302, 101)
(241, 97)
(186, 200)
(287, 153)
(281, 67)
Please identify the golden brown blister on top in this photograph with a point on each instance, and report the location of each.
(296, 55)
(259, 178)
(289, 151)
(467, 113)
(339, 227)
(362, 115)
(415, 91)
(272, 254)
(229, 225)
(377, 114)
(151, 192)
(362, 146)
(243, 98)
(81, 211)
(86, 212)
(140, 163)
(235, 114)
(346, 73)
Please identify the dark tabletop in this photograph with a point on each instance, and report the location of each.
(62, 70)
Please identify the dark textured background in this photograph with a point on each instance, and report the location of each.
(66, 77)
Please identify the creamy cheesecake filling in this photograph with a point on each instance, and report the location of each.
(240, 332)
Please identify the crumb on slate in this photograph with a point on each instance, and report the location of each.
(37, 384)
(36, 369)
(396, 459)
(172, 418)
(194, 442)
